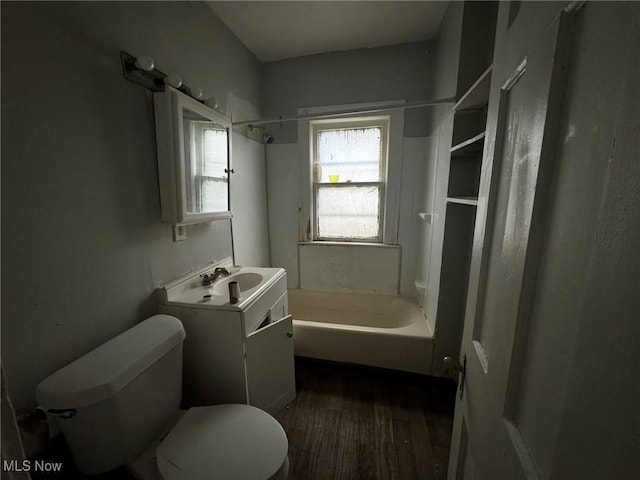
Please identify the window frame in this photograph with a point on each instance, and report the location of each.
(197, 164)
(316, 126)
(303, 168)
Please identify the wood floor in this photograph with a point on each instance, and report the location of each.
(351, 423)
(347, 423)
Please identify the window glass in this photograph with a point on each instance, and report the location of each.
(215, 153)
(353, 154)
(348, 212)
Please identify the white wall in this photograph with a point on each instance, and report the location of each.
(83, 248)
(349, 268)
(412, 190)
(249, 203)
(283, 191)
(422, 260)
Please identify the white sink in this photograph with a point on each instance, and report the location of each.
(246, 281)
(188, 289)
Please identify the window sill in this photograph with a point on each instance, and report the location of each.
(348, 244)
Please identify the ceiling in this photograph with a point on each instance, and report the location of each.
(275, 30)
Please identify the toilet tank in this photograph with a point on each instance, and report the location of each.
(117, 399)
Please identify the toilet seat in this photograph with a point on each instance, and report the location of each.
(224, 442)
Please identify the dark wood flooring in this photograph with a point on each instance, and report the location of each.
(347, 423)
(350, 422)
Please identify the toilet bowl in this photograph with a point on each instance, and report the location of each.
(119, 405)
(248, 445)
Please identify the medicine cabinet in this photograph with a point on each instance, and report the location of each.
(194, 144)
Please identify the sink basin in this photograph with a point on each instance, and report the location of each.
(188, 289)
(246, 281)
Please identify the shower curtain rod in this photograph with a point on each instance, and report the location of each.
(420, 104)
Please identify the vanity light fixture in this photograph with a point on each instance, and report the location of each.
(142, 71)
(211, 103)
(174, 80)
(144, 63)
(196, 93)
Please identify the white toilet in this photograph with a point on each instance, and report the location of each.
(119, 405)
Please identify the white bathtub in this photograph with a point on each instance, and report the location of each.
(377, 330)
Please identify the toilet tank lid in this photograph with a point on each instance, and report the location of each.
(103, 372)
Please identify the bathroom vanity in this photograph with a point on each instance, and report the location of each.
(234, 353)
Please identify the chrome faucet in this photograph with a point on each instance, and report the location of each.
(209, 278)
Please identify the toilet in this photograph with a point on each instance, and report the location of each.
(119, 405)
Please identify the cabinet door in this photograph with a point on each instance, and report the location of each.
(213, 368)
(280, 309)
(270, 370)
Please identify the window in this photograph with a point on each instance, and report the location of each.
(207, 168)
(349, 162)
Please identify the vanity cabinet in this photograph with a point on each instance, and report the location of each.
(269, 365)
(238, 356)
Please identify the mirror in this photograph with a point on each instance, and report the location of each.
(206, 151)
(193, 158)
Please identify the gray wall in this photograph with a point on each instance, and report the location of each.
(399, 72)
(82, 246)
(446, 58)
(356, 76)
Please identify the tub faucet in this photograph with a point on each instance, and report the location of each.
(209, 278)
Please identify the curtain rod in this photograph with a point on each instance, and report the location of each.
(429, 103)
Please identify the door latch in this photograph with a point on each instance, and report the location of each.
(451, 368)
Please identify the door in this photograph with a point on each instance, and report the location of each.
(525, 106)
(270, 366)
(552, 338)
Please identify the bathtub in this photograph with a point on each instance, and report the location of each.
(366, 329)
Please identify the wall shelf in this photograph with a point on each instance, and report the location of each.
(463, 200)
(478, 94)
(473, 144)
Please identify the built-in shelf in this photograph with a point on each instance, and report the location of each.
(478, 94)
(463, 200)
(472, 144)
(463, 158)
